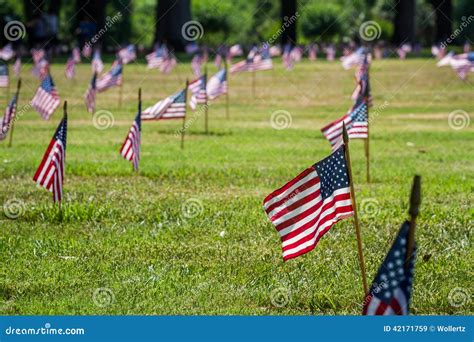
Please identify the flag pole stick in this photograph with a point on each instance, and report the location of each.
(185, 108)
(13, 119)
(227, 92)
(206, 107)
(139, 111)
(367, 143)
(121, 88)
(354, 206)
(59, 203)
(415, 200)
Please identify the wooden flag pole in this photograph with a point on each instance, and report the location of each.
(13, 119)
(185, 108)
(354, 206)
(139, 111)
(121, 89)
(415, 200)
(227, 92)
(367, 149)
(206, 107)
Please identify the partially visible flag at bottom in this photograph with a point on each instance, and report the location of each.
(131, 147)
(390, 292)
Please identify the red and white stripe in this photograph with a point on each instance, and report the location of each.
(89, 99)
(70, 70)
(300, 214)
(6, 122)
(131, 147)
(164, 110)
(4, 81)
(199, 95)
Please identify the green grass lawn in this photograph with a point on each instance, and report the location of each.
(130, 244)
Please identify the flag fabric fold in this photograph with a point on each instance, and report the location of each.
(112, 78)
(198, 92)
(46, 98)
(217, 85)
(172, 107)
(8, 118)
(131, 147)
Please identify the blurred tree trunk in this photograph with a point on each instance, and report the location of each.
(171, 15)
(444, 18)
(288, 16)
(55, 7)
(404, 22)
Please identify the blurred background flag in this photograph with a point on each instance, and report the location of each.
(112, 78)
(172, 107)
(305, 208)
(91, 94)
(217, 84)
(4, 81)
(46, 98)
(97, 64)
(198, 92)
(8, 116)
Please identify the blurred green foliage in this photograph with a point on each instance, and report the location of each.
(254, 21)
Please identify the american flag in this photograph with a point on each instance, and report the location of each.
(173, 107)
(9, 115)
(390, 292)
(90, 95)
(462, 66)
(362, 90)
(235, 50)
(157, 57)
(275, 51)
(17, 66)
(38, 55)
(87, 51)
(313, 52)
(46, 99)
(262, 61)
(198, 92)
(76, 55)
(217, 84)
(354, 59)
(287, 57)
(50, 173)
(70, 70)
(245, 65)
(196, 63)
(168, 64)
(356, 124)
(4, 76)
(330, 53)
(127, 54)
(7, 52)
(131, 147)
(305, 208)
(112, 78)
(97, 64)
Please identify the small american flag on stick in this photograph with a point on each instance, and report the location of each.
(217, 84)
(8, 117)
(198, 91)
(50, 173)
(91, 94)
(46, 99)
(305, 208)
(356, 122)
(172, 107)
(112, 78)
(17, 66)
(131, 147)
(70, 70)
(97, 64)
